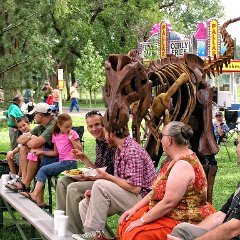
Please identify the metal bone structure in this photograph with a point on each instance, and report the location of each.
(180, 93)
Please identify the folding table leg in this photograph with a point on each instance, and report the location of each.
(15, 221)
(2, 207)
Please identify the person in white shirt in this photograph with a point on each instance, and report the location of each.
(74, 97)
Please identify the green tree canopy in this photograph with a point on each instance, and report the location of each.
(38, 37)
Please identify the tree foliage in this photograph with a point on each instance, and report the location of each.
(38, 37)
(89, 69)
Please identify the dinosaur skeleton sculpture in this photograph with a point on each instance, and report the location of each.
(176, 81)
(181, 93)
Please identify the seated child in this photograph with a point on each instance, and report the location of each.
(65, 139)
(23, 125)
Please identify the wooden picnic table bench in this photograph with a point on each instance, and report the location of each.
(41, 220)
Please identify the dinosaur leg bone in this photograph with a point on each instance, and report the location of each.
(162, 101)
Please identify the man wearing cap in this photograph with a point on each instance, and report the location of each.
(14, 112)
(39, 137)
(219, 127)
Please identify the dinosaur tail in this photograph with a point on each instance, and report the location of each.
(216, 64)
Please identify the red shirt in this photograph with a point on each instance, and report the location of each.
(134, 164)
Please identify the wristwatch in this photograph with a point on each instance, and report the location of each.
(142, 220)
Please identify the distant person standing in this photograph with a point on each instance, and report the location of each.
(47, 91)
(14, 112)
(55, 94)
(74, 97)
(28, 108)
(27, 95)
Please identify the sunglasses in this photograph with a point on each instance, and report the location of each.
(93, 113)
(161, 135)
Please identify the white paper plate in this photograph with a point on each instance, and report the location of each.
(92, 172)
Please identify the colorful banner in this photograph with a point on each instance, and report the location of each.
(213, 37)
(163, 39)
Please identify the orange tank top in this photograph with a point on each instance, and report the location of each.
(193, 207)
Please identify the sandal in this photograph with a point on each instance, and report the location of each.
(11, 187)
(28, 195)
(21, 186)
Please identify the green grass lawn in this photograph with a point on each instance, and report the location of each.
(225, 183)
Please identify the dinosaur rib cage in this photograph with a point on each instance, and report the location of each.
(183, 100)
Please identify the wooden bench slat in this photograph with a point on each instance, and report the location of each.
(36, 216)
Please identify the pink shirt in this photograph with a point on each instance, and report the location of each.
(64, 145)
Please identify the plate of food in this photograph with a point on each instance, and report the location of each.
(74, 173)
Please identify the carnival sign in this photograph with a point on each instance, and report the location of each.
(234, 66)
(178, 48)
(163, 39)
(214, 37)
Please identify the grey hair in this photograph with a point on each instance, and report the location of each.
(180, 132)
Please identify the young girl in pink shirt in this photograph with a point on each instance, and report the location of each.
(65, 139)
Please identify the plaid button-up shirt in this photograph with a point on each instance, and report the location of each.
(134, 164)
(104, 155)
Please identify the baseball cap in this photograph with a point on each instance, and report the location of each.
(218, 114)
(41, 108)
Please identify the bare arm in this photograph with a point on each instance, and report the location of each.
(127, 214)
(175, 189)
(50, 153)
(77, 154)
(10, 154)
(36, 142)
(212, 221)
(76, 143)
(31, 141)
(225, 231)
(16, 150)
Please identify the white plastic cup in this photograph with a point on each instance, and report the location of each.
(55, 214)
(62, 224)
(5, 178)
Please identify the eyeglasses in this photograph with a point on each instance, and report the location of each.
(93, 113)
(161, 135)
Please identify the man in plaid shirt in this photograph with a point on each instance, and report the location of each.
(133, 176)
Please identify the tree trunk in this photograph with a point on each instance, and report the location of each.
(90, 98)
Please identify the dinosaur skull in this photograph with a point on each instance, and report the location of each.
(126, 82)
